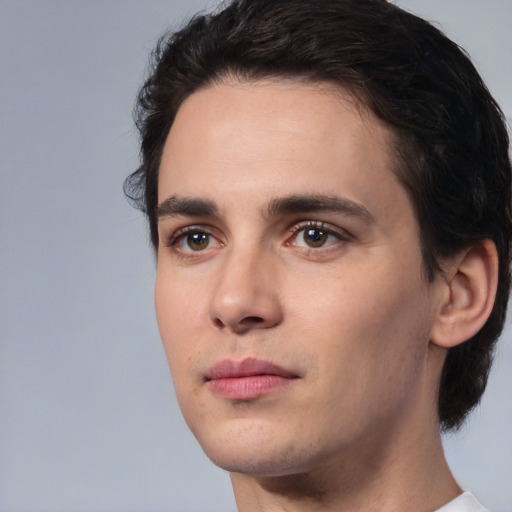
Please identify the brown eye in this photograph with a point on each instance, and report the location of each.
(315, 237)
(198, 241)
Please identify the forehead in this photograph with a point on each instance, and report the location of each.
(279, 105)
(269, 137)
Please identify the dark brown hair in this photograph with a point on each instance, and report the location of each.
(451, 139)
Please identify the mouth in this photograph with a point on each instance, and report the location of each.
(247, 379)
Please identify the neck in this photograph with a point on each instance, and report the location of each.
(417, 479)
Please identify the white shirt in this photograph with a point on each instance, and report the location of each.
(466, 502)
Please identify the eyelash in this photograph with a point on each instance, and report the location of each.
(340, 234)
(178, 235)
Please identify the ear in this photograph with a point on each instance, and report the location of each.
(467, 299)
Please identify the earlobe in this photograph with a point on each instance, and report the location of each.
(468, 295)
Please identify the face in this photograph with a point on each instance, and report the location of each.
(289, 289)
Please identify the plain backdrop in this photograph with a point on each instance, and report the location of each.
(88, 420)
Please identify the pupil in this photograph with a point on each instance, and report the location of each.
(315, 237)
(197, 241)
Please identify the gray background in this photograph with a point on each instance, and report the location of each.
(88, 420)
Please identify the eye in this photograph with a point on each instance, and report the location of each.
(190, 239)
(315, 236)
(197, 241)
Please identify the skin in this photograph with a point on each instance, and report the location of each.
(351, 318)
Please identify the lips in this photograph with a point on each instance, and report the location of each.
(247, 379)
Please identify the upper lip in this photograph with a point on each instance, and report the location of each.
(249, 367)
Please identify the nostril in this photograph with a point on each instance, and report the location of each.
(248, 323)
(252, 320)
(218, 323)
(242, 326)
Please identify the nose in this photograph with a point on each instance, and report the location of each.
(246, 295)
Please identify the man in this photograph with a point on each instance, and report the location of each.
(327, 185)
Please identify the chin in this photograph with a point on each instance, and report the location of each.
(256, 449)
(255, 462)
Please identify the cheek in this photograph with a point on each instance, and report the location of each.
(179, 316)
(394, 333)
(369, 324)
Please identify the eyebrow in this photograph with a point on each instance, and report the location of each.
(188, 206)
(288, 205)
(318, 203)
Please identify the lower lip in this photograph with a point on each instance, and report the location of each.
(247, 388)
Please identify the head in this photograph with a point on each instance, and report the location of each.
(448, 138)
